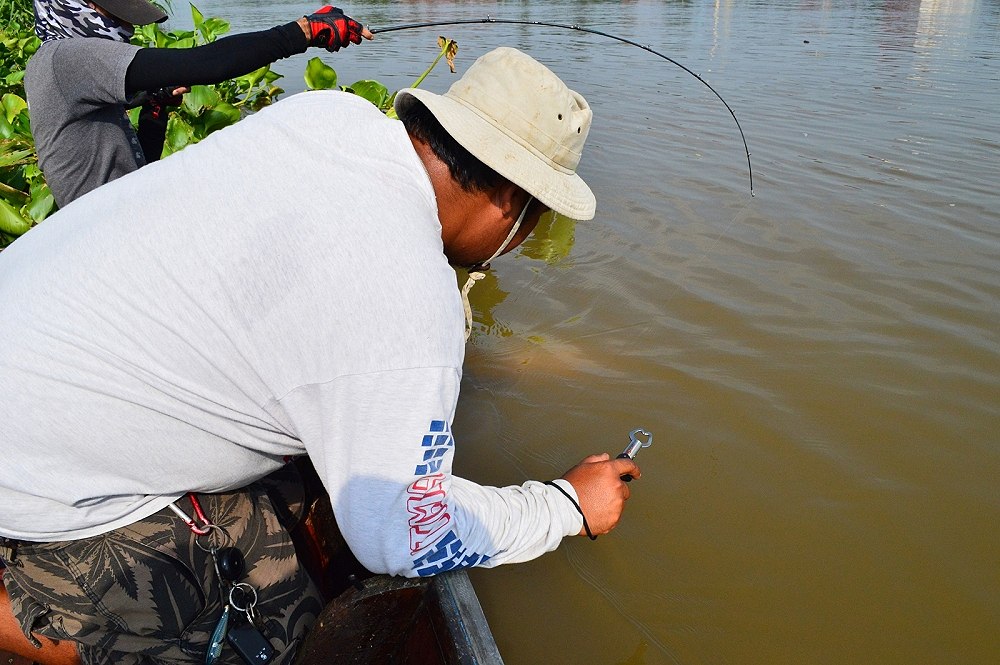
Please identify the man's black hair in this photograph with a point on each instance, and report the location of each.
(467, 170)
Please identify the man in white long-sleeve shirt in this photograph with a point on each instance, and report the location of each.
(282, 288)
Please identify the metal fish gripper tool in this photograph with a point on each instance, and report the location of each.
(635, 443)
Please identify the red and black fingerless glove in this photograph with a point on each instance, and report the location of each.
(163, 98)
(332, 30)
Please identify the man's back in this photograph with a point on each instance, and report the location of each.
(164, 316)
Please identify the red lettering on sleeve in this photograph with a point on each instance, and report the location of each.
(428, 511)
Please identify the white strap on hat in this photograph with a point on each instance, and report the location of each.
(478, 272)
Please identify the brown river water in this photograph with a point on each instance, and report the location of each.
(819, 364)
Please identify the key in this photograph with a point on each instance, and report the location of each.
(634, 445)
(224, 584)
(218, 637)
(246, 639)
(250, 644)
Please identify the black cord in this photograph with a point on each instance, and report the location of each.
(586, 526)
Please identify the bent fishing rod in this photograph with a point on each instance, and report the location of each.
(578, 28)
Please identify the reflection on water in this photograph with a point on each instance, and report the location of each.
(820, 365)
(550, 243)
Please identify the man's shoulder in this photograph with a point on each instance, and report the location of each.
(81, 47)
(75, 60)
(342, 122)
(330, 106)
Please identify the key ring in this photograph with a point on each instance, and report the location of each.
(243, 586)
(212, 547)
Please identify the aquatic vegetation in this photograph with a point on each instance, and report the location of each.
(207, 108)
(321, 76)
(24, 197)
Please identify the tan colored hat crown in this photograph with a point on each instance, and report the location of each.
(521, 120)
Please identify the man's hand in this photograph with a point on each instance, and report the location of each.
(156, 105)
(169, 96)
(602, 492)
(331, 29)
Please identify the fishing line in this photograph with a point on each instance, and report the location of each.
(578, 28)
(623, 607)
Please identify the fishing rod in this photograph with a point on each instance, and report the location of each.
(578, 28)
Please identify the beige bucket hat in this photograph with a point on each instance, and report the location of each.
(517, 117)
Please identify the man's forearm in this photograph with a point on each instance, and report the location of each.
(155, 68)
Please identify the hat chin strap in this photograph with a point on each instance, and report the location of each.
(478, 271)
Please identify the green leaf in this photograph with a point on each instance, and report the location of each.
(221, 116)
(263, 98)
(13, 195)
(319, 75)
(6, 129)
(179, 134)
(145, 35)
(11, 158)
(32, 172)
(11, 220)
(178, 35)
(255, 76)
(214, 27)
(373, 91)
(12, 106)
(200, 97)
(22, 125)
(198, 18)
(14, 78)
(186, 42)
(41, 203)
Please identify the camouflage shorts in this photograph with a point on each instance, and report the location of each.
(147, 593)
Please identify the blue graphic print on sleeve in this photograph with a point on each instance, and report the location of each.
(434, 544)
(447, 554)
(436, 445)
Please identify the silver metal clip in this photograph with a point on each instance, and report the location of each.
(633, 447)
(635, 443)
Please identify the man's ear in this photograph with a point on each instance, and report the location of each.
(506, 197)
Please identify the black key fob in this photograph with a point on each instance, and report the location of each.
(231, 564)
(250, 644)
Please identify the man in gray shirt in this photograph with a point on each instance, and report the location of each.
(86, 74)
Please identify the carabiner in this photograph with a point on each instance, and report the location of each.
(206, 524)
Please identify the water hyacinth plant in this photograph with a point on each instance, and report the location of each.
(206, 108)
(321, 76)
(25, 199)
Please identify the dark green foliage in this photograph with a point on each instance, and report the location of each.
(25, 199)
